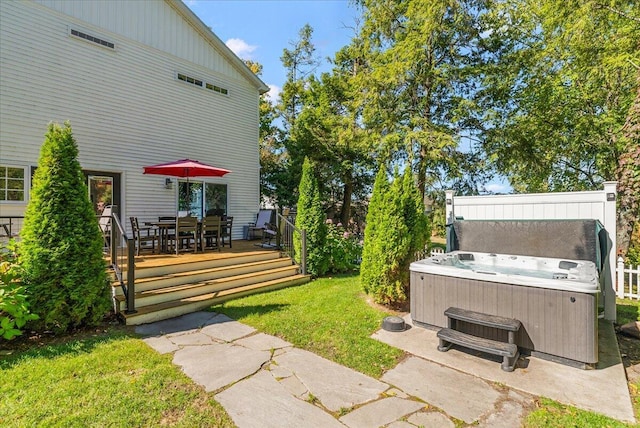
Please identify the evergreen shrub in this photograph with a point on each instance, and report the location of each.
(310, 217)
(396, 228)
(61, 248)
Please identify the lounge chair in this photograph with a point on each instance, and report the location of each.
(264, 217)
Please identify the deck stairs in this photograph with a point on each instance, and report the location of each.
(172, 286)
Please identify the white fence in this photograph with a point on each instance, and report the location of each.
(628, 283)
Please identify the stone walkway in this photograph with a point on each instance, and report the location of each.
(263, 381)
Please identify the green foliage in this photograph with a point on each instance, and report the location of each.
(371, 269)
(61, 249)
(343, 249)
(396, 229)
(551, 414)
(328, 316)
(106, 380)
(14, 307)
(310, 217)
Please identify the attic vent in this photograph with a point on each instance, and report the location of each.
(217, 89)
(188, 79)
(93, 39)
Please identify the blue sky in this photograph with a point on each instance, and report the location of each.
(259, 30)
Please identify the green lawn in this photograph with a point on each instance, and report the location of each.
(112, 380)
(328, 316)
(553, 414)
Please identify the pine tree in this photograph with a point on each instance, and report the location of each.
(310, 217)
(61, 248)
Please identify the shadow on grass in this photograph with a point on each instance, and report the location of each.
(239, 312)
(63, 346)
(627, 311)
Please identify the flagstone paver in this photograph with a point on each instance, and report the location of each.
(263, 342)
(224, 328)
(432, 420)
(262, 402)
(219, 365)
(336, 386)
(191, 339)
(460, 395)
(181, 324)
(380, 412)
(263, 381)
(161, 344)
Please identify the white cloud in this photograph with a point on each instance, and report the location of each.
(274, 93)
(241, 48)
(498, 188)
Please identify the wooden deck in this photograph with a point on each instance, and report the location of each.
(169, 285)
(148, 259)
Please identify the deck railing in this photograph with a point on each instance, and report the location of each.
(122, 260)
(10, 227)
(286, 238)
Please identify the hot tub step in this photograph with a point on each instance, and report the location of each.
(509, 351)
(487, 320)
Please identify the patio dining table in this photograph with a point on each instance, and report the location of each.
(164, 226)
(163, 229)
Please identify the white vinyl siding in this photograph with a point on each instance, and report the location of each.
(126, 106)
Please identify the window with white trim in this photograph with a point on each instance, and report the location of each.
(12, 183)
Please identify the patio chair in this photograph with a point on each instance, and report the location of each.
(186, 230)
(264, 217)
(225, 231)
(105, 225)
(209, 232)
(143, 235)
(269, 233)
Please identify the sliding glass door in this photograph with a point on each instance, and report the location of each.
(197, 198)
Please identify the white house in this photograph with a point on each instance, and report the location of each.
(142, 83)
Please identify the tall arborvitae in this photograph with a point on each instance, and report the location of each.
(61, 248)
(311, 218)
(396, 229)
(371, 271)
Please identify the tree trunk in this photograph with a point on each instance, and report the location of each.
(628, 175)
(345, 212)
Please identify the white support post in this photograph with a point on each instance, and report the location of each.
(448, 207)
(610, 217)
(620, 281)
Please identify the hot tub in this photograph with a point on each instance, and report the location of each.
(555, 299)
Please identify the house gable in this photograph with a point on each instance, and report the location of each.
(168, 26)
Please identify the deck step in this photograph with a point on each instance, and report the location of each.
(166, 265)
(191, 289)
(202, 275)
(166, 310)
(486, 320)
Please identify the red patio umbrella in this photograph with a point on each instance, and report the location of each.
(186, 168)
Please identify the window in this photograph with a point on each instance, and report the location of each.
(188, 79)
(202, 84)
(198, 198)
(92, 39)
(217, 89)
(11, 183)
